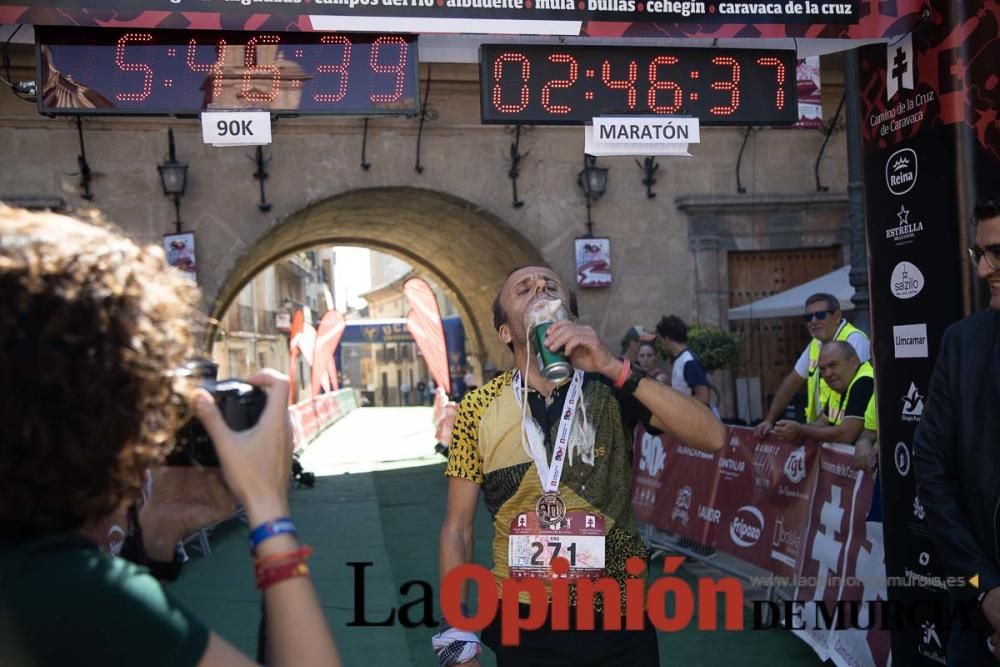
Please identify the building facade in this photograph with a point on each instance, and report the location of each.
(684, 251)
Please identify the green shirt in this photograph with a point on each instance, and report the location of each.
(64, 602)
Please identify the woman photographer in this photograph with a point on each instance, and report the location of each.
(92, 331)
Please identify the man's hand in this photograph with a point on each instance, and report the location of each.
(581, 346)
(182, 500)
(763, 429)
(865, 456)
(788, 430)
(991, 608)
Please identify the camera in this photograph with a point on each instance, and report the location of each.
(241, 405)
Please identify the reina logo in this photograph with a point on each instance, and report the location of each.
(747, 526)
(907, 281)
(901, 171)
(913, 405)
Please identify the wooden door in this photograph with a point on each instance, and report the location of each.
(771, 346)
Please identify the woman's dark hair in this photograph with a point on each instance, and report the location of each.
(91, 332)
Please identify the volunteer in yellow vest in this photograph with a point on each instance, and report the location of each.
(851, 410)
(825, 323)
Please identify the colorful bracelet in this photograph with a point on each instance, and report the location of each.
(276, 575)
(265, 531)
(302, 553)
(623, 376)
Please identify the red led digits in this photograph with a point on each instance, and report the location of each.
(779, 96)
(215, 69)
(498, 64)
(622, 84)
(342, 69)
(655, 86)
(147, 78)
(255, 71)
(732, 85)
(574, 72)
(399, 69)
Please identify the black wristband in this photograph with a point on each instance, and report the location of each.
(634, 376)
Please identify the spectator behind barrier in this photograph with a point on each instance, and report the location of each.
(92, 329)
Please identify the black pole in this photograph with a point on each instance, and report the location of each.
(855, 193)
(177, 213)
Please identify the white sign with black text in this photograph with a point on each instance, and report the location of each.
(910, 341)
(236, 128)
(641, 135)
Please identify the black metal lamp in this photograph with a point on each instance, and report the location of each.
(173, 178)
(593, 180)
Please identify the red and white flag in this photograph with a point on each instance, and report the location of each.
(324, 369)
(424, 322)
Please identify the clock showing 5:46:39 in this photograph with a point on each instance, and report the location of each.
(556, 84)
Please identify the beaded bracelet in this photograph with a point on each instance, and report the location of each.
(302, 553)
(277, 574)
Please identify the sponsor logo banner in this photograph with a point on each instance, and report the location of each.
(806, 521)
(910, 341)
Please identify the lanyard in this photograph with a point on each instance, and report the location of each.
(551, 473)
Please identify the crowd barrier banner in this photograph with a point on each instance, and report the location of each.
(796, 510)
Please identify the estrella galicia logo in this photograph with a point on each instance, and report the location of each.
(747, 526)
(901, 171)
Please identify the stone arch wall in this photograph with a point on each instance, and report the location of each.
(464, 248)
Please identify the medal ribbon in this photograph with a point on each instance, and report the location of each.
(551, 473)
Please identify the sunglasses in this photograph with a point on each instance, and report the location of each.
(991, 253)
(821, 315)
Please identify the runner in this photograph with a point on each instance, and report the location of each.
(497, 446)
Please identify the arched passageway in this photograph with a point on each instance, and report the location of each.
(466, 250)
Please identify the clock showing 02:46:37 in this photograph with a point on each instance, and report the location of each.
(557, 84)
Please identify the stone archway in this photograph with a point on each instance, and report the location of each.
(466, 250)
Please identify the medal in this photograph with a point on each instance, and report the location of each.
(550, 509)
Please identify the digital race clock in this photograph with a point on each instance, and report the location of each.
(553, 84)
(96, 71)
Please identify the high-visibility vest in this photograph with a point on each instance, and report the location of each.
(838, 404)
(818, 391)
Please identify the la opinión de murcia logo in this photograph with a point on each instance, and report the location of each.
(904, 231)
(913, 405)
(907, 281)
(901, 171)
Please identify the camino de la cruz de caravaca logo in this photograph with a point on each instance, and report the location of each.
(682, 505)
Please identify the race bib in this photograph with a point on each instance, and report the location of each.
(579, 538)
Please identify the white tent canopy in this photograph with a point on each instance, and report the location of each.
(791, 302)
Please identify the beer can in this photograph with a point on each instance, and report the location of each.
(553, 366)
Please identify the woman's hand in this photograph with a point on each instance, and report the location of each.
(256, 462)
